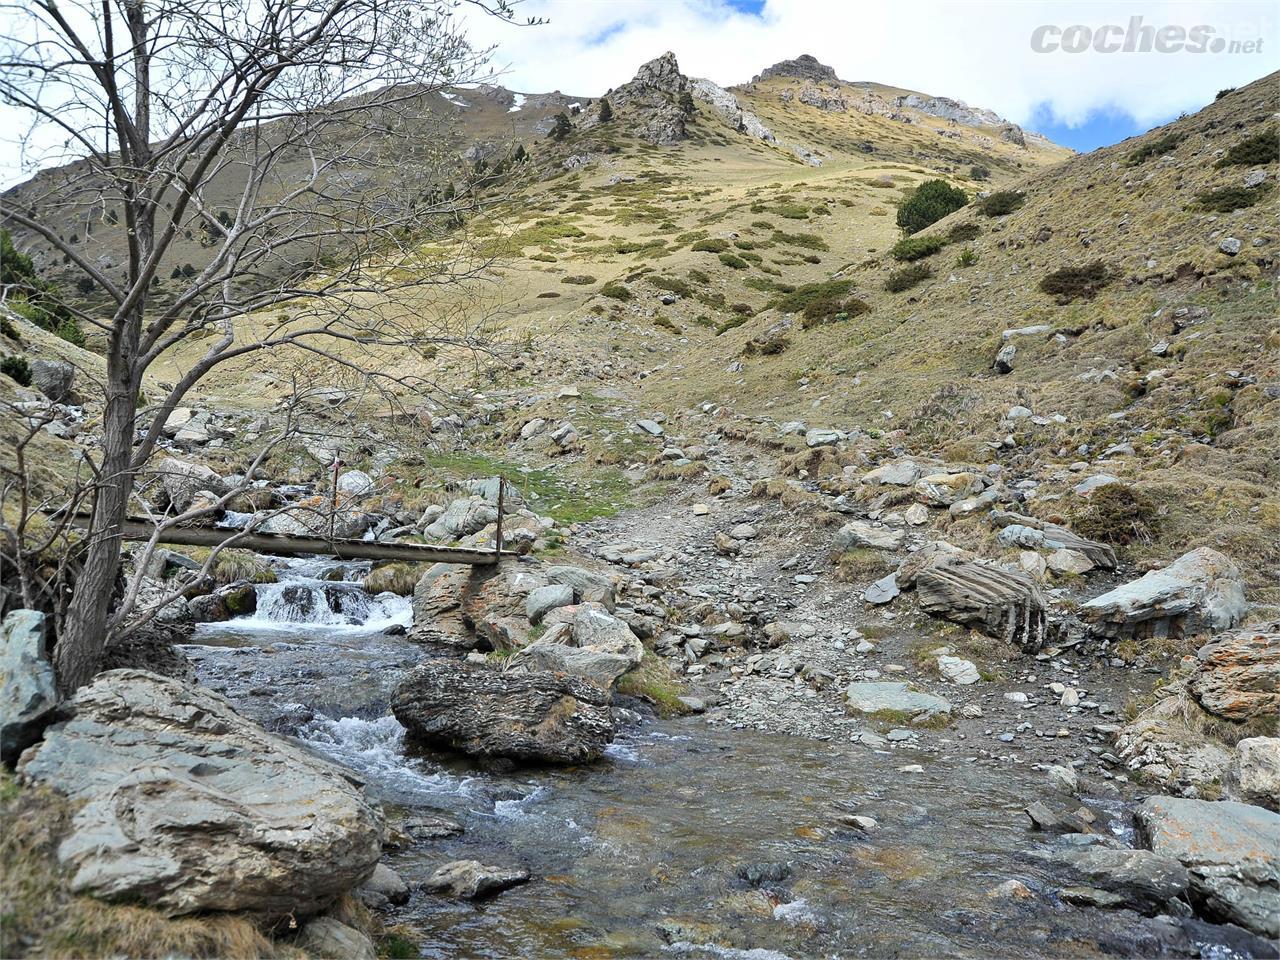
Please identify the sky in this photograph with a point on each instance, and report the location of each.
(979, 51)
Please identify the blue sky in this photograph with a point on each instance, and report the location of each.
(1099, 129)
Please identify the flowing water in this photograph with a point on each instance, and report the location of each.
(687, 840)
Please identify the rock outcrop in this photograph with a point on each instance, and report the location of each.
(803, 67)
(28, 692)
(1200, 592)
(187, 806)
(1232, 851)
(584, 640)
(1237, 675)
(527, 717)
(726, 104)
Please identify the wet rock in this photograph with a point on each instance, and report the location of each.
(1143, 880)
(431, 828)
(471, 880)
(768, 871)
(329, 939)
(1064, 778)
(1237, 675)
(1047, 821)
(998, 602)
(385, 888)
(1258, 770)
(527, 717)
(187, 806)
(1200, 592)
(28, 691)
(873, 697)
(1232, 851)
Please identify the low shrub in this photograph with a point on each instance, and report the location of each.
(929, 203)
(17, 369)
(964, 232)
(967, 258)
(581, 279)
(697, 276)
(832, 310)
(907, 277)
(1115, 513)
(800, 298)
(232, 565)
(398, 578)
(917, 248)
(615, 291)
(978, 172)
(1155, 148)
(792, 211)
(766, 345)
(673, 284)
(1226, 199)
(1254, 151)
(743, 309)
(710, 245)
(1076, 283)
(1001, 203)
(808, 241)
(733, 261)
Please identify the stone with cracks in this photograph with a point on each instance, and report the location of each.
(586, 641)
(542, 600)
(1237, 675)
(527, 717)
(182, 481)
(944, 489)
(859, 533)
(1144, 880)
(462, 518)
(186, 806)
(1021, 531)
(1200, 592)
(28, 692)
(958, 670)
(327, 937)
(1232, 851)
(53, 378)
(998, 602)
(1258, 770)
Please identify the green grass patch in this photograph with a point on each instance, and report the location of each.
(1226, 199)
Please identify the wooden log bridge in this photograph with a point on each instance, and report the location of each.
(287, 545)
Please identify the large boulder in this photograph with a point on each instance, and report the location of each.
(859, 533)
(1200, 592)
(1232, 851)
(588, 586)
(999, 602)
(472, 880)
(462, 518)
(586, 641)
(470, 607)
(1033, 534)
(28, 693)
(315, 517)
(1257, 770)
(528, 717)
(1143, 880)
(944, 489)
(187, 806)
(1237, 675)
(183, 480)
(53, 378)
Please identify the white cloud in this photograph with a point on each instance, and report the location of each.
(978, 51)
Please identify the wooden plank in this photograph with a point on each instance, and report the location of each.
(286, 545)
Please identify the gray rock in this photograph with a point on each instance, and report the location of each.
(1255, 178)
(527, 717)
(1064, 778)
(470, 879)
(1200, 592)
(1232, 850)
(28, 691)
(383, 889)
(901, 473)
(1230, 246)
(588, 586)
(462, 518)
(543, 600)
(54, 378)
(329, 939)
(651, 427)
(1004, 359)
(858, 533)
(187, 806)
(882, 591)
(182, 481)
(1237, 675)
(355, 483)
(999, 602)
(1258, 770)
(1144, 881)
(958, 670)
(585, 641)
(1090, 484)
(1021, 531)
(879, 696)
(822, 438)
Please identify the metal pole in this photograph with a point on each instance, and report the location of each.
(497, 550)
(333, 512)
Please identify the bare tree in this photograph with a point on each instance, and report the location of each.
(293, 141)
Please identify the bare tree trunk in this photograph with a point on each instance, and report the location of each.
(83, 636)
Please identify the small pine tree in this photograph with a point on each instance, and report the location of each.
(562, 127)
(606, 111)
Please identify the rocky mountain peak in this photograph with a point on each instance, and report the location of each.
(803, 67)
(661, 73)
